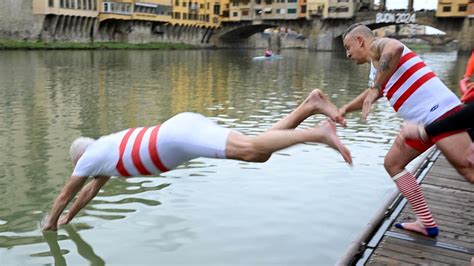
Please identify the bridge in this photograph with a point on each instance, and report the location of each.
(326, 34)
(433, 39)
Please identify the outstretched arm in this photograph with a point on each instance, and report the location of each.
(387, 52)
(69, 190)
(457, 121)
(363, 101)
(85, 196)
(356, 103)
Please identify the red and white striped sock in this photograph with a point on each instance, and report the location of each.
(407, 185)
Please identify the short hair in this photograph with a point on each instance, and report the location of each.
(358, 28)
(78, 147)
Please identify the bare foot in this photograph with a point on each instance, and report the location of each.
(330, 138)
(418, 228)
(320, 104)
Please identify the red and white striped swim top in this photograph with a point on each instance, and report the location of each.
(415, 92)
(131, 152)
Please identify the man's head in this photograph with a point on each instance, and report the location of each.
(78, 147)
(357, 40)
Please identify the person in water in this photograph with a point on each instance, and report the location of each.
(153, 150)
(268, 53)
(417, 95)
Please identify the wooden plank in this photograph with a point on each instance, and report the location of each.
(423, 253)
(454, 184)
(378, 259)
(451, 199)
(454, 235)
(449, 195)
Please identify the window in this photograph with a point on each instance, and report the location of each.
(51, 3)
(342, 9)
(208, 6)
(446, 8)
(176, 3)
(73, 3)
(462, 8)
(245, 12)
(291, 10)
(303, 9)
(292, 1)
(184, 4)
(235, 14)
(217, 9)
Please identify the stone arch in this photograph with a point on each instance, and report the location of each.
(244, 31)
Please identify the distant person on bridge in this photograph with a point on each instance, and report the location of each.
(153, 150)
(417, 95)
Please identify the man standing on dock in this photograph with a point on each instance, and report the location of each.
(417, 95)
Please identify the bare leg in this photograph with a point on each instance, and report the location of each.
(456, 149)
(470, 156)
(315, 103)
(260, 148)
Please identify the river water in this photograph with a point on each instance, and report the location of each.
(302, 207)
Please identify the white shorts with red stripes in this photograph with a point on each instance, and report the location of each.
(190, 135)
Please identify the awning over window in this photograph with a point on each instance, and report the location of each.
(146, 4)
(267, 9)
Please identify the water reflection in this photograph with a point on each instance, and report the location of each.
(49, 98)
(83, 248)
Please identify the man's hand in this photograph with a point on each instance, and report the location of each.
(64, 219)
(413, 131)
(368, 101)
(48, 225)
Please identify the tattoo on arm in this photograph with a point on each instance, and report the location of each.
(385, 61)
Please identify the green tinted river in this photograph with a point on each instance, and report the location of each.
(302, 207)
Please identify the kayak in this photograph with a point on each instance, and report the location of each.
(263, 58)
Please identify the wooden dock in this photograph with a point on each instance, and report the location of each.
(451, 200)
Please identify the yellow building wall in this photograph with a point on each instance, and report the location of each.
(80, 8)
(452, 8)
(317, 8)
(195, 13)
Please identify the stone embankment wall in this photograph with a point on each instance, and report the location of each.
(17, 20)
(466, 38)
